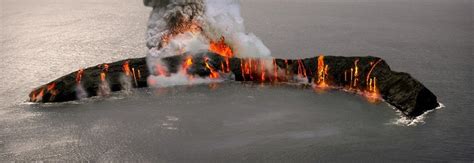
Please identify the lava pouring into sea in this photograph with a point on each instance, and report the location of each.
(186, 34)
(214, 74)
(372, 91)
(204, 42)
(322, 75)
(221, 48)
(104, 88)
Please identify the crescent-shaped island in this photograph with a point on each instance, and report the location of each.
(368, 76)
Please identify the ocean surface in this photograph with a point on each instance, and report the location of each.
(432, 40)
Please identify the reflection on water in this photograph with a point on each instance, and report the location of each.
(45, 39)
(190, 121)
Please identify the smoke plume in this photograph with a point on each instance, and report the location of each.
(190, 26)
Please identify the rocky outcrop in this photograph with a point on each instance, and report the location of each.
(370, 76)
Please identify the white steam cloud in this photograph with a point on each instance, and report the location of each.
(216, 19)
(179, 26)
(223, 19)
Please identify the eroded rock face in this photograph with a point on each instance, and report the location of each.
(358, 74)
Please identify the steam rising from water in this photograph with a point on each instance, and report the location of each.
(179, 79)
(406, 121)
(180, 26)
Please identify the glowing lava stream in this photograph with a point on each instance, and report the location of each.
(214, 74)
(251, 69)
(126, 68)
(372, 92)
(221, 48)
(322, 73)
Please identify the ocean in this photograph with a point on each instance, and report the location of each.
(432, 40)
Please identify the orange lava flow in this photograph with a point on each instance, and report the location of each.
(322, 73)
(51, 89)
(222, 66)
(102, 76)
(51, 86)
(246, 65)
(126, 68)
(105, 68)
(355, 74)
(221, 48)
(39, 96)
(79, 74)
(227, 63)
(33, 97)
(372, 94)
(214, 74)
(187, 63)
(301, 69)
(371, 69)
(256, 70)
(275, 70)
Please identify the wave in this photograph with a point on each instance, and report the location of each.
(403, 120)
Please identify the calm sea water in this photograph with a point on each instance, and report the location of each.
(45, 39)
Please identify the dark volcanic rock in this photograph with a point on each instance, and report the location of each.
(66, 87)
(396, 88)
